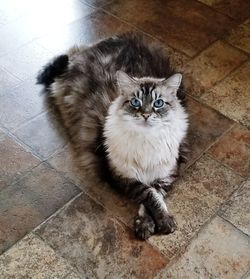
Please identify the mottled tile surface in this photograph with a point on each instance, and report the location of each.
(240, 37)
(193, 200)
(33, 24)
(237, 9)
(188, 26)
(220, 251)
(7, 81)
(32, 258)
(30, 201)
(231, 96)
(97, 245)
(119, 205)
(211, 66)
(15, 161)
(233, 149)
(20, 104)
(206, 125)
(85, 31)
(26, 61)
(42, 135)
(237, 209)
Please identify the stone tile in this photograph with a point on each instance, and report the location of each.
(193, 200)
(26, 61)
(237, 209)
(14, 162)
(96, 3)
(240, 37)
(97, 245)
(231, 96)
(88, 30)
(176, 58)
(7, 82)
(188, 26)
(72, 275)
(233, 150)
(2, 134)
(237, 9)
(27, 203)
(119, 205)
(34, 25)
(20, 104)
(211, 66)
(247, 275)
(42, 135)
(219, 251)
(206, 125)
(32, 258)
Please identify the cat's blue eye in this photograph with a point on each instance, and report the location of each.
(135, 103)
(158, 103)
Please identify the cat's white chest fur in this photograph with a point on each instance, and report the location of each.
(143, 153)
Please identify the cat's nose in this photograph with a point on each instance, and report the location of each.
(145, 115)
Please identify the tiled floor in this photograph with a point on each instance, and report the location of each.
(54, 224)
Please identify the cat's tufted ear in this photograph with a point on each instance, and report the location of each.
(125, 83)
(173, 83)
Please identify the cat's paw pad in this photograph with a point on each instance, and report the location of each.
(166, 224)
(144, 227)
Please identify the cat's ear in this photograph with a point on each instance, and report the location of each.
(173, 83)
(125, 83)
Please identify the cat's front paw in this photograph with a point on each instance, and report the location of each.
(144, 227)
(166, 224)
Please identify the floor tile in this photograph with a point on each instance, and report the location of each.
(34, 25)
(26, 61)
(96, 3)
(97, 245)
(119, 205)
(27, 203)
(211, 66)
(219, 251)
(189, 26)
(193, 200)
(42, 135)
(237, 9)
(86, 31)
(32, 258)
(7, 82)
(231, 96)
(20, 104)
(237, 209)
(240, 37)
(233, 150)
(2, 134)
(14, 162)
(72, 275)
(206, 125)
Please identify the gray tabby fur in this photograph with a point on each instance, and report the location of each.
(137, 149)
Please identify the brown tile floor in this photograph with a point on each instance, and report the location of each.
(53, 224)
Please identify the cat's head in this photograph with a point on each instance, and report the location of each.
(148, 101)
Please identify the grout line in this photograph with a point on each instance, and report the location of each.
(33, 230)
(143, 32)
(235, 227)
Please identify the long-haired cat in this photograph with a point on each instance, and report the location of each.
(121, 104)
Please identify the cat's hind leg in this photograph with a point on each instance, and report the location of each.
(144, 224)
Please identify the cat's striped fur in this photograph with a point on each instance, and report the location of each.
(139, 147)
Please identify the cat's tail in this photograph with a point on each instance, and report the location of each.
(52, 70)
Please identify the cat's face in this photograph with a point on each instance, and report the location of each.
(147, 101)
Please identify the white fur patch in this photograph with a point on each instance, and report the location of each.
(144, 152)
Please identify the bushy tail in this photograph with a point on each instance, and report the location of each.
(52, 70)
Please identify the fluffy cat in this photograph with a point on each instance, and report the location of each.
(122, 106)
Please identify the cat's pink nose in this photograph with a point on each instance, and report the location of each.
(146, 115)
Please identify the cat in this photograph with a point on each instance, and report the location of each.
(122, 105)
